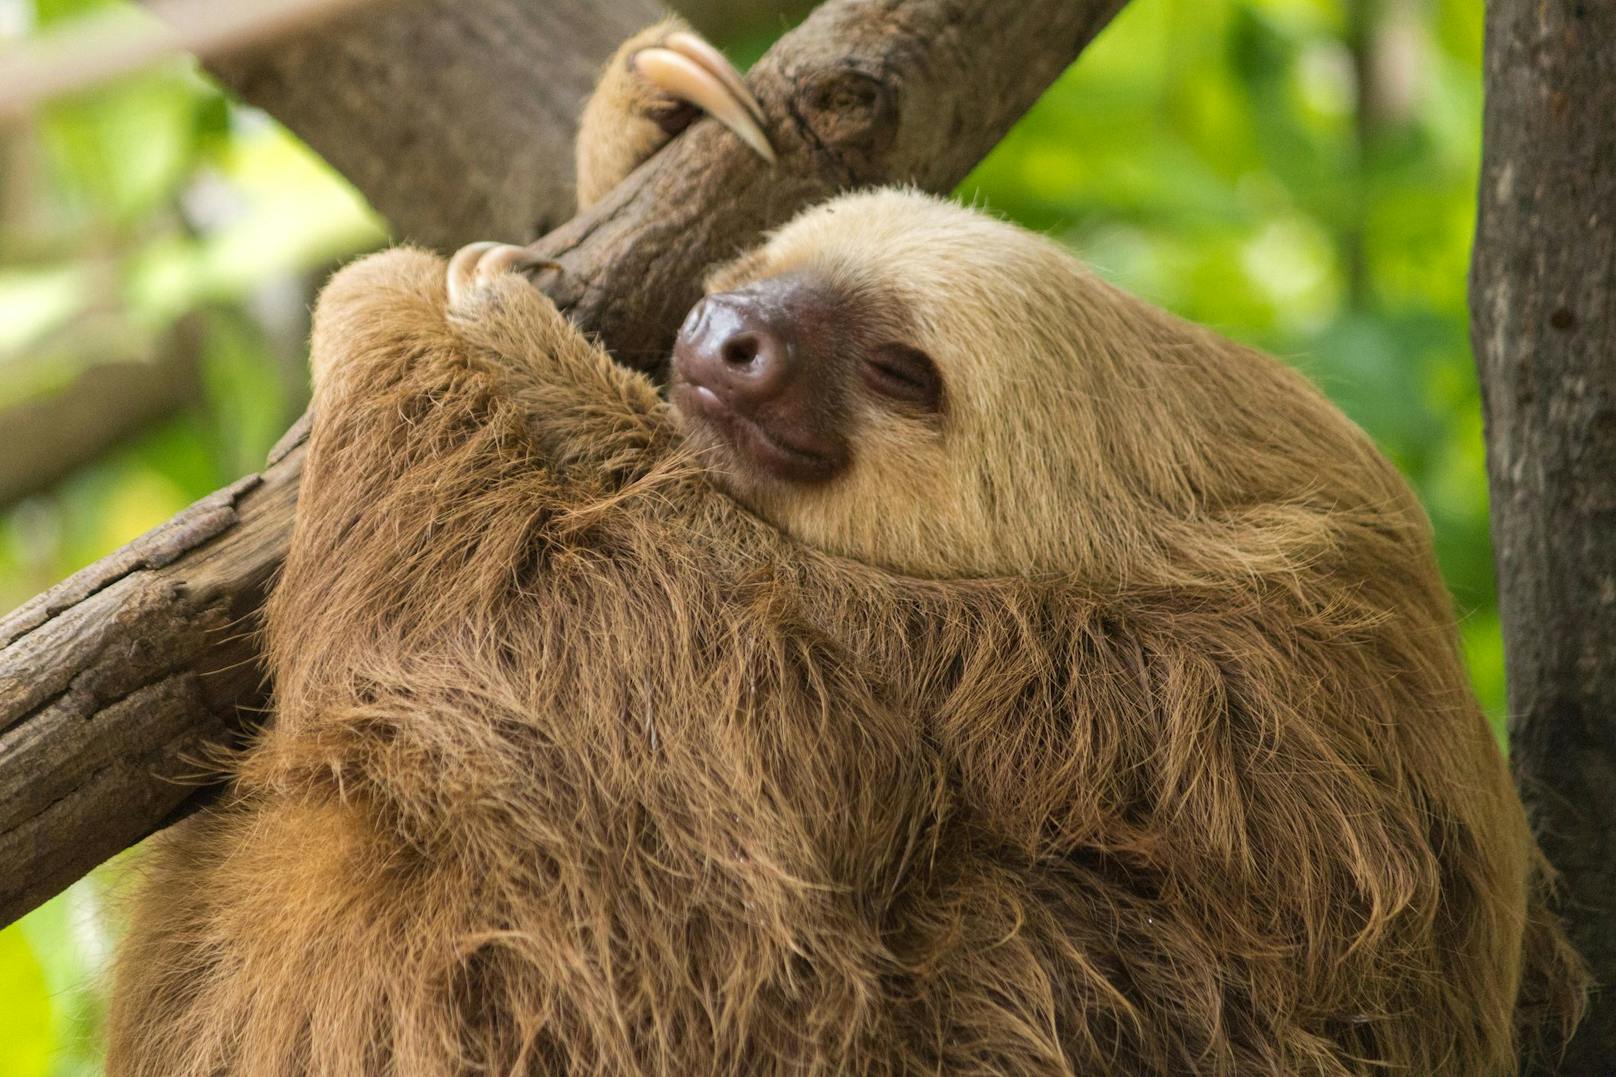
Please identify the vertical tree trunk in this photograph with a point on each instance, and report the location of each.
(1543, 301)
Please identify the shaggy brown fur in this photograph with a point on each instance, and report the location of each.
(1156, 757)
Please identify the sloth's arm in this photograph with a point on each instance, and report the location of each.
(442, 436)
(402, 374)
(660, 81)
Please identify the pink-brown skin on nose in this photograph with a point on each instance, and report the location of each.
(763, 367)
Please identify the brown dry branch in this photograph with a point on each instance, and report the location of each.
(110, 680)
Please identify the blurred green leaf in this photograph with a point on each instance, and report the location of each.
(50, 12)
(119, 156)
(250, 402)
(27, 1037)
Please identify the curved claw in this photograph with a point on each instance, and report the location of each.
(463, 269)
(686, 67)
(697, 48)
(476, 264)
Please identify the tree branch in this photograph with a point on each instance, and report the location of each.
(114, 684)
(144, 654)
(1543, 305)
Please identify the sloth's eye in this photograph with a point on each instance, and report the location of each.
(905, 374)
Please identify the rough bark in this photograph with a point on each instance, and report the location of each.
(145, 652)
(115, 685)
(1543, 295)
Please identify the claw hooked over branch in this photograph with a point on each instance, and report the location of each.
(475, 264)
(689, 69)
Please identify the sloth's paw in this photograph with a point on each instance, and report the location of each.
(477, 265)
(660, 82)
(689, 76)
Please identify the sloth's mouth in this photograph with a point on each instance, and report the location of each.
(749, 438)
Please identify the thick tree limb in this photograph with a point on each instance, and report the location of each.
(1543, 301)
(861, 93)
(114, 684)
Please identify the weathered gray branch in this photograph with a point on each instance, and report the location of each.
(146, 654)
(1543, 300)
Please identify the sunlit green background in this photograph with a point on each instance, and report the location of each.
(1297, 173)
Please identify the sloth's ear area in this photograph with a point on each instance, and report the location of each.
(659, 82)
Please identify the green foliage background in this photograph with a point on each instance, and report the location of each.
(1297, 173)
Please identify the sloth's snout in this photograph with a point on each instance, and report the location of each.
(738, 348)
(750, 366)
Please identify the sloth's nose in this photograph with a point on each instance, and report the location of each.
(757, 366)
(737, 347)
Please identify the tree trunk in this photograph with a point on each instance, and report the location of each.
(111, 682)
(1543, 300)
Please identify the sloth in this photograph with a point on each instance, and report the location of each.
(964, 667)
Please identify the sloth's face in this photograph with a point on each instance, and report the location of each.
(886, 379)
(776, 377)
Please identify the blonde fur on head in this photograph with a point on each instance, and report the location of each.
(1155, 754)
(1085, 431)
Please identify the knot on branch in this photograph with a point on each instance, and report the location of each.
(849, 113)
